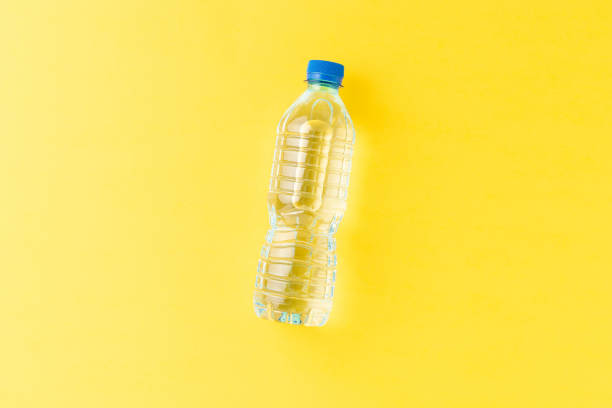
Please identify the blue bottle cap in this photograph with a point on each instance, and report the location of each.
(327, 71)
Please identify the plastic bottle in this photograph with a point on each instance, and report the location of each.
(306, 202)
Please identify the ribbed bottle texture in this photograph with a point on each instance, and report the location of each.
(306, 202)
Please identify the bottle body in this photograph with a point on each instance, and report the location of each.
(306, 202)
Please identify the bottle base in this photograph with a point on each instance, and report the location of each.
(299, 312)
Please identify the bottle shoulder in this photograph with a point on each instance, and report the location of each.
(323, 107)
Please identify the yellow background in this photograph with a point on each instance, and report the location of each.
(475, 257)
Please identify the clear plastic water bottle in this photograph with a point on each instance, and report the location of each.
(306, 202)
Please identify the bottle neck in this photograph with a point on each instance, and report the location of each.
(322, 86)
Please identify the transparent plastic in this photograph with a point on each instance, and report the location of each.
(306, 202)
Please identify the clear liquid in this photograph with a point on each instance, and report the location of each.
(306, 202)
